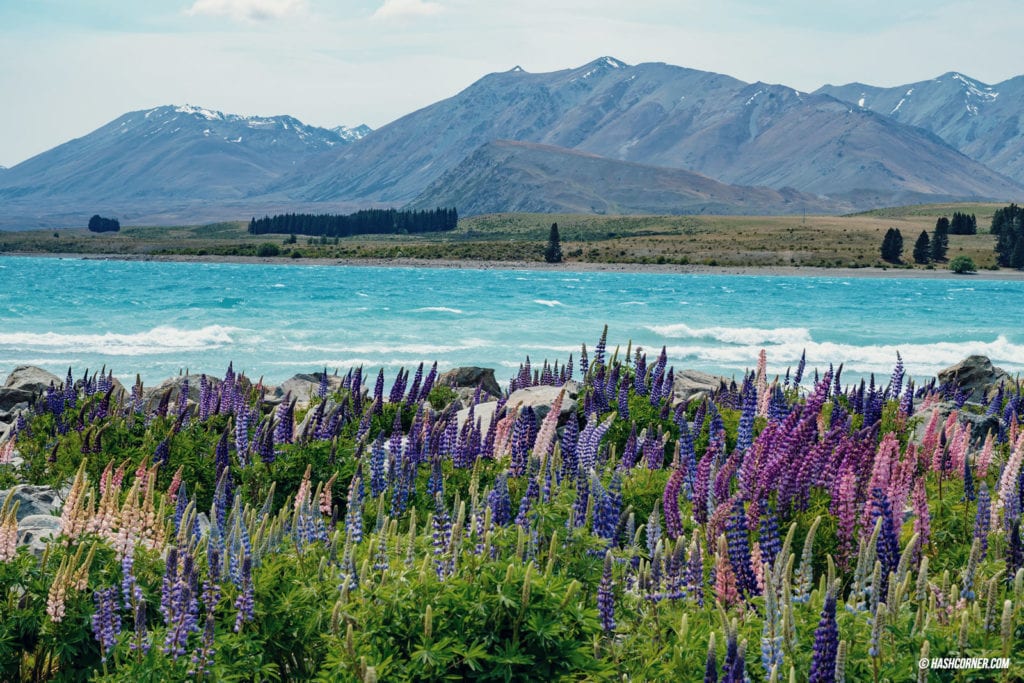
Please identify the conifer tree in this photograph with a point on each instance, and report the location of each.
(940, 239)
(553, 252)
(892, 246)
(922, 248)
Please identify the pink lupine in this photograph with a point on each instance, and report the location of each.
(1009, 478)
(930, 441)
(546, 434)
(7, 452)
(922, 517)
(985, 457)
(761, 382)
(8, 529)
(725, 579)
(846, 511)
(325, 496)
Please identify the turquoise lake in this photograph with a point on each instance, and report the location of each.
(157, 318)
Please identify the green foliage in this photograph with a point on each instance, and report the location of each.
(962, 264)
(922, 248)
(441, 396)
(553, 251)
(892, 246)
(268, 249)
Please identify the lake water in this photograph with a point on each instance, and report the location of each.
(275, 320)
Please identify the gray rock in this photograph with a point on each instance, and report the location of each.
(303, 387)
(472, 377)
(981, 424)
(11, 398)
(540, 399)
(691, 385)
(307, 421)
(31, 379)
(976, 376)
(34, 500)
(484, 411)
(35, 531)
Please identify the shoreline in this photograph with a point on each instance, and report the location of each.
(568, 266)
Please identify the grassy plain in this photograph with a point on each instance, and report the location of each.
(824, 241)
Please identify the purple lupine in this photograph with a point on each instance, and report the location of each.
(982, 519)
(653, 529)
(378, 482)
(179, 601)
(606, 596)
(398, 388)
(826, 643)
(607, 507)
(800, 368)
(428, 383)
(711, 664)
(354, 508)
(630, 450)
(602, 343)
(162, 453)
(581, 501)
(887, 544)
(640, 374)
(768, 537)
(442, 536)
(245, 602)
(745, 435)
(106, 622)
(695, 572)
(570, 435)
(499, 501)
(526, 502)
(654, 449)
(242, 434)
(624, 400)
(1014, 552)
(896, 383)
(521, 443)
(182, 405)
(670, 502)
(739, 551)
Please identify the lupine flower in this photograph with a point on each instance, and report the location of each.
(106, 622)
(653, 529)
(711, 664)
(695, 571)
(983, 520)
(245, 602)
(606, 596)
(8, 529)
(826, 642)
(499, 502)
(670, 503)
(739, 551)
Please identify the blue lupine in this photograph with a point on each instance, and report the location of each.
(106, 622)
(982, 518)
(768, 537)
(162, 453)
(245, 602)
(745, 435)
(800, 368)
(826, 643)
(378, 482)
(499, 501)
(695, 573)
(896, 383)
(640, 376)
(630, 450)
(526, 502)
(887, 544)
(570, 436)
(624, 401)
(739, 551)
(606, 596)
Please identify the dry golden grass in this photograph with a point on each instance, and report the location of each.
(830, 241)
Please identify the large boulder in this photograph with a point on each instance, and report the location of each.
(33, 500)
(539, 398)
(471, 377)
(976, 377)
(694, 385)
(981, 424)
(35, 531)
(31, 379)
(303, 387)
(13, 399)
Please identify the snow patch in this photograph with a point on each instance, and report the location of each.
(753, 97)
(898, 105)
(207, 114)
(860, 102)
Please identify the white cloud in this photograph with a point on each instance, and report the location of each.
(406, 8)
(253, 10)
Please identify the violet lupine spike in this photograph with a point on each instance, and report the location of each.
(624, 400)
(606, 596)
(245, 601)
(581, 502)
(630, 450)
(640, 374)
(500, 502)
(695, 571)
(670, 502)
(654, 450)
(826, 643)
(983, 519)
(609, 509)
(739, 551)
(378, 456)
(768, 535)
(428, 383)
(887, 545)
(106, 622)
(745, 435)
(653, 528)
(895, 387)
(602, 343)
(531, 496)
(711, 663)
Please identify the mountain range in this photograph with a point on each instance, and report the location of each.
(605, 137)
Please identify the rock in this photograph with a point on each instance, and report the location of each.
(472, 377)
(34, 500)
(31, 379)
(35, 531)
(693, 385)
(12, 397)
(303, 387)
(153, 395)
(981, 424)
(539, 398)
(976, 376)
(306, 424)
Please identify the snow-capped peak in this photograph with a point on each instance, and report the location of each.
(207, 114)
(352, 134)
(516, 70)
(612, 62)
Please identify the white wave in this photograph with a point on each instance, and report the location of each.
(633, 303)
(162, 339)
(279, 285)
(921, 360)
(422, 349)
(363, 294)
(734, 335)
(330, 363)
(437, 309)
(550, 303)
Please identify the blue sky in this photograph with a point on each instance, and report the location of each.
(69, 66)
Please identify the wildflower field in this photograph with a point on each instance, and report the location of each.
(795, 529)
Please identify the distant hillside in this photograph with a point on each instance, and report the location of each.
(985, 122)
(154, 161)
(658, 115)
(506, 176)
